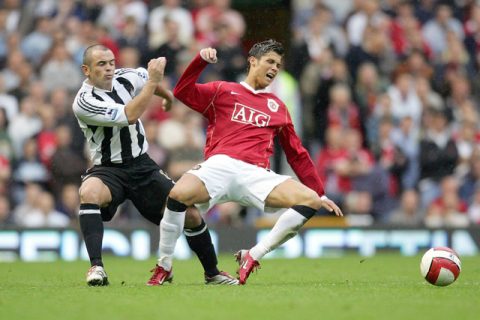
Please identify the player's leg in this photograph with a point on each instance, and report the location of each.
(93, 195)
(199, 240)
(150, 200)
(184, 194)
(302, 202)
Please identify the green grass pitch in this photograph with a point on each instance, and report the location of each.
(386, 286)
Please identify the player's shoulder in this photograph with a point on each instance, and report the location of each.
(139, 72)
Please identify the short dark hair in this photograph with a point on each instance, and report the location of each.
(259, 49)
(87, 54)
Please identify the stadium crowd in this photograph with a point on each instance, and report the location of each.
(383, 92)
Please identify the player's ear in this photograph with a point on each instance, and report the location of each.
(252, 61)
(85, 70)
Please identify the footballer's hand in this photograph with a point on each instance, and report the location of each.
(156, 69)
(209, 55)
(331, 206)
(167, 102)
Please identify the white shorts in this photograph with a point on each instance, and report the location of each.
(228, 179)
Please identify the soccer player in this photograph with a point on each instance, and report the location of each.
(243, 119)
(108, 107)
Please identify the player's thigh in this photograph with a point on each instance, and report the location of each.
(94, 190)
(190, 190)
(150, 196)
(290, 193)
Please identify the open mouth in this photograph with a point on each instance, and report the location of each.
(270, 75)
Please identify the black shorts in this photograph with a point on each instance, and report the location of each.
(141, 180)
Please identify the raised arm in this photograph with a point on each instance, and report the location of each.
(194, 95)
(137, 106)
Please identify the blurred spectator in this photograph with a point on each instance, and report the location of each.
(155, 151)
(61, 102)
(129, 57)
(114, 15)
(435, 30)
(10, 74)
(66, 165)
(320, 32)
(69, 201)
(438, 154)
(232, 63)
(368, 15)
(28, 169)
(404, 98)
(38, 210)
(389, 155)
(342, 111)
(6, 148)
(219, 11)
(375, 48)
(328, 161)
(409, 213)
(415, 64)
(474, 208)
(8, 103)
(37, 43)
(405, 31)
(331, 72)
(133, 35)
(471, 180)
(368, 88)
(5, 212)
(59, 67)
(448, 209)
(25, 125)
(406, 138)
(5, 175)
(46, 138)
(170, 11)
(13, 8)
(87, 9)
(171, 47)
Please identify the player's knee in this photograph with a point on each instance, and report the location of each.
(90, 194)
(181, 196)
(310, 199)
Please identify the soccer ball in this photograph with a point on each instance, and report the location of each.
(440, 266)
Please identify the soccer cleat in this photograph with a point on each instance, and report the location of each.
(160, 276)
(96, 276)
(221, 278)
(246, 265)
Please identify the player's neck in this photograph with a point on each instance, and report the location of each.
(103, 86)
(253, 83)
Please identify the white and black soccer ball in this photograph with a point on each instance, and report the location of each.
(440, 266)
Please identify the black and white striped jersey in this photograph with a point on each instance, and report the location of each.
(101, 116)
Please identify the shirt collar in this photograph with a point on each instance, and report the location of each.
(248, 87)
(88, 85)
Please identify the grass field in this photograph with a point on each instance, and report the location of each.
(352, 287)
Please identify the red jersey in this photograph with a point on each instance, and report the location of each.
(242, 123)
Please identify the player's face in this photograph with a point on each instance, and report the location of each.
(264, 70)
(101, 69)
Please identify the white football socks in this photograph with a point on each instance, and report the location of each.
(284, 229)
(171, 228)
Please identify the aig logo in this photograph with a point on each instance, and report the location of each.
(247, 115)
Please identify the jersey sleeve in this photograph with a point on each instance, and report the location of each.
(137, 77)
(195, 95)
(99, 113)
(299, 159)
